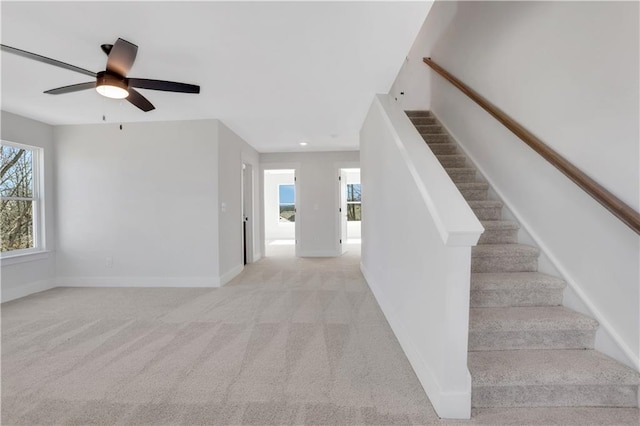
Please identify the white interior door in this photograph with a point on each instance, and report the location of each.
(342, 211)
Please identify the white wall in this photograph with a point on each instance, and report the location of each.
(146, 197)
(273, 228)
(21, 279)
(317, 196)
(418, 267)
(412, 86)
(568, 72)
(232, 152)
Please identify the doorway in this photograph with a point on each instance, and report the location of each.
(280, 212)
(247, 213)
(350, 210)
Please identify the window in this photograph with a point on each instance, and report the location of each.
(287, 202)
(354, 200)
(20, 200)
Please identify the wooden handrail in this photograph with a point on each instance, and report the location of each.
(609, 201)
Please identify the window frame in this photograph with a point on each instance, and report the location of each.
(37, 200)
(354, 202)
(280, 222)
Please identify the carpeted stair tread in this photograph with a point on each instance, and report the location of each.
(473, 185)
(418, 113)
(510, 328)
(504, 258)
(504, 250)
(472, 191)
(515, 281)
(529, 318)
(423, 120)
(435, 138)
(461, 174)
(501, 289)
(443, 148)
(555, 416)
(453, 160)
(499, 232)
(425, 129)
(548, 367)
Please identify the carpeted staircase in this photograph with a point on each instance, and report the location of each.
(525, 348)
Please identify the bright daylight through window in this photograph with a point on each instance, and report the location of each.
(19, 198)
(287, 202)
(354, 200)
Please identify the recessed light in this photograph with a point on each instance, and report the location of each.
(304, 143)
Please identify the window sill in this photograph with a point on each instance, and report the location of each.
(12, 259)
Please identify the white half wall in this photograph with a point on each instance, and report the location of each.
(32, 273)
(419, 267)
(317, 196)
(569, 73)
(141, 203)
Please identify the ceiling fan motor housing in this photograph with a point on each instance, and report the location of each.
(112, 85)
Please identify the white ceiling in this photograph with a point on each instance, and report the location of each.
(275, 73)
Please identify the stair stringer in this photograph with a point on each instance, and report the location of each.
(608, 341)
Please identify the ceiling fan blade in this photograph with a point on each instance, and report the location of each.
(140, 101)
(166, 86)
(72, 88)
(46, 60)
(121, 57)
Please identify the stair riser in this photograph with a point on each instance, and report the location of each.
(555, 396)
(428, 128)
(490, 213)
(498, 236)
(504, 264)
(415, 114)
(446, 149)
(461, 176)
(474, 194)
(436, 138)
(418, 121)
(453, 161)
(504, 298)
(511, 340)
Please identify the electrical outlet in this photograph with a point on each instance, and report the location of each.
(108, 262)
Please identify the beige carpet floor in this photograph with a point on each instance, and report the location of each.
(289, 341)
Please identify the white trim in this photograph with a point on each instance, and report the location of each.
(457, 225)
(450, 405)
(37, 197)
(26, 290)
(557, 264)
(184, 282)
(231, 274)
(256, 256)
(22, 256)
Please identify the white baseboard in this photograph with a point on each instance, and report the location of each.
(257, 256)
(137, 282)
(17, 292)
(448, 405)
(228, 276)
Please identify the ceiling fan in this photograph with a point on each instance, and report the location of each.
(113, 82)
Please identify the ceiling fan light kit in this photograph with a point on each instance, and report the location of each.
(112, 86)
(113, 82)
